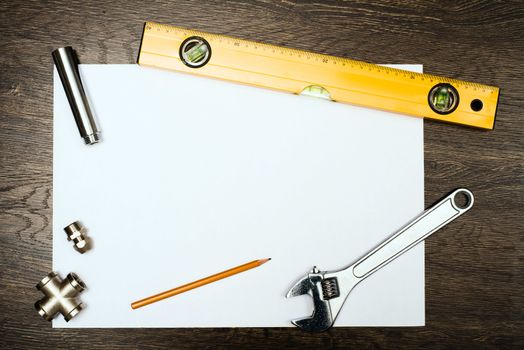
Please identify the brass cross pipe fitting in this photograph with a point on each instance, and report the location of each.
(60, 296)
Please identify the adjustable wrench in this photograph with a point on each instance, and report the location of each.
(330, 289)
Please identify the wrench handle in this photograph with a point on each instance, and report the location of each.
(413, 233)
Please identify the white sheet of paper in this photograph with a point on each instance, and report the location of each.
(194, 176)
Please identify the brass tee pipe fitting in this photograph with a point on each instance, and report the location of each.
(60, 296)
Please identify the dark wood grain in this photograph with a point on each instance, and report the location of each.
(474, 268)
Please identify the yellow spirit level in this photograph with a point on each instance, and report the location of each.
(339, 79)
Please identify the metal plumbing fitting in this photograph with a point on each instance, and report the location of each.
(60, 296)
(75, 232)
(66, 62)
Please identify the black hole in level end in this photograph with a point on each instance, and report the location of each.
(476, 105)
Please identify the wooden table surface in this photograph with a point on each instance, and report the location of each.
(474, 267)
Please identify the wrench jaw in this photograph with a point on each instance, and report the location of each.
(322, 317)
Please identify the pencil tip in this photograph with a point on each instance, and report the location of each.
(263, 261)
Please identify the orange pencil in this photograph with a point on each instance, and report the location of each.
(199, 283)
